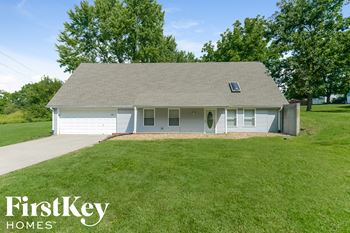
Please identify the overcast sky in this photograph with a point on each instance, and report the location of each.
(29, 29)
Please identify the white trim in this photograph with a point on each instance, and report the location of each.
(58, 122)
(215, 112)
(254, 109)
(53, 120)
(225, 120)
(236, 109)
(116, 120)
(135, 120)
(154, 117)
(179, 117)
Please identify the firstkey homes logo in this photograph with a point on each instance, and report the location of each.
(89, 214)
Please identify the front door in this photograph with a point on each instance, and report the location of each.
(209, 120)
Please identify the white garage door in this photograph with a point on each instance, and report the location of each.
(125, 121)
(87, 121)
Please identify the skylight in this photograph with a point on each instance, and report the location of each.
(234, 87)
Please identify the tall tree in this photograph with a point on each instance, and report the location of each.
(248, 42)
(305, 33)
(4, 101)
(337, 77)
(33, 97)
(116, 31)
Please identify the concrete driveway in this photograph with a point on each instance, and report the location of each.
(24, 154)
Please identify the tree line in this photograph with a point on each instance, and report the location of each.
(305, 46)
(31, 100)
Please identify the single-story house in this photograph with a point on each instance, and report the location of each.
(319, 100)
(333, 97)
(168, 98)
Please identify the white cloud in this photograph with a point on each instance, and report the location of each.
(8, 82)
(184, 24)
(191, 46)
(22, 9)
(17, 69)
(21, 3)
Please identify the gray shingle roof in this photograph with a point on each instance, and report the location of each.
(169, 85)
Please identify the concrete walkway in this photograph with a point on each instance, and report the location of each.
(24, 154)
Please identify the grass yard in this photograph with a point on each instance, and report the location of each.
(20, 132)
(270, 184)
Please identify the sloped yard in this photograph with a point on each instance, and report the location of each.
(266, 184)
(20, 132)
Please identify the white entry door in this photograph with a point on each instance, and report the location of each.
(209, 120)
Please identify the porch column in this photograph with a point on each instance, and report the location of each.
(135, 119)
(225, 120)
(53, 120)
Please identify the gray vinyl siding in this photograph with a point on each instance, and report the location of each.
(266, 121)
(160, 122)
(125, 120)
(191, 120)
(220, 123)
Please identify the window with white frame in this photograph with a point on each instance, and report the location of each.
(148, 117)
(174, 117)
(231, 118)
(249, 117)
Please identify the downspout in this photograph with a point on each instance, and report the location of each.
(280, 119)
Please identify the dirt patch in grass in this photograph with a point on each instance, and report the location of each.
(163, 136)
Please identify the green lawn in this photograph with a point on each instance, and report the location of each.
(299, 184)
(19, 132)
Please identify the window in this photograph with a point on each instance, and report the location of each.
(210, 119)
(249, 117)
(148, 117)
(231, 118)
(234, 87)
(174, 117)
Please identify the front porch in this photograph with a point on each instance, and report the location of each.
(207, 120)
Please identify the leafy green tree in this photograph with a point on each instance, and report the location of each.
(248, 42)
(33, 98)
(337, 77)
(116, 31)
(6, 104)
(305, 34)
(4, 101)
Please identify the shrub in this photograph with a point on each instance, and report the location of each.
(16, 117)
(339, 100)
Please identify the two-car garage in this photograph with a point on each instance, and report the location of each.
(93, 121)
